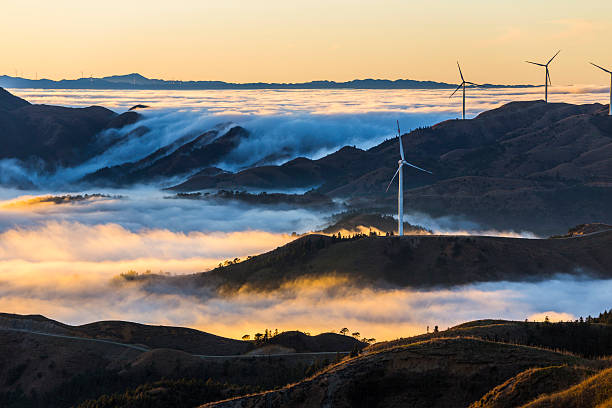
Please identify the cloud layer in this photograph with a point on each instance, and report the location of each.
(284, 124)
(64, 260)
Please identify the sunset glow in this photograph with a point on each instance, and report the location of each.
(276, 41)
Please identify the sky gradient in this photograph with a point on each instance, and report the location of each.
(280, 41)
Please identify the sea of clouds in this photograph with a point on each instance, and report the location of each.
(64, 260)
(284, 123)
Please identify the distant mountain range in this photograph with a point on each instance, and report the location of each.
(137, 81)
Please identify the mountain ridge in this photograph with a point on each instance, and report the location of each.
(138, 81)
(534, 163)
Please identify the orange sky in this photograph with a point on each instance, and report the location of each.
(302, 40)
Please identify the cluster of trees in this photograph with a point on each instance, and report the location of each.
(234, 261)
(357, 235)
(345, 331)
(580, 337)
(605, 317)
(132, 275)
(263, 337)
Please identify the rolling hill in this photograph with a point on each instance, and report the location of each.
(181, 158)
(486, 363)
(45, 363)
(539, 165)
(445, 372)
(177, 338)
(418, 261)
(47, 137)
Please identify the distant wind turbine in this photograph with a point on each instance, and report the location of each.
(462, 84)
(609, 72)
(400, 193)
(547, 79)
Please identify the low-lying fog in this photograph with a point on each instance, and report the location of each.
(63, 260)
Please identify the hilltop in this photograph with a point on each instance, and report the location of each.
(410, 261)
(53, 136)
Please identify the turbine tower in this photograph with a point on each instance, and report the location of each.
(609, 72)
(547, 79)
(400, 193)
(463, 83)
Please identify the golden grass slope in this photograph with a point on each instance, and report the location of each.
(595, 392)
(444, 372)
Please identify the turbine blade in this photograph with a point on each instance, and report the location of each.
(416, 167)
(548, 76)
(397, 171)
(460, 73)
(535, 63)
(603, 69)
(399, 135)
(458, 88)
(550, 60)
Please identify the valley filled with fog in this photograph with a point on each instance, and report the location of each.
(66, 256)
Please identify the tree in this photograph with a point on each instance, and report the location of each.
(356, 335)
(258, 336)
(371, 340)
(436, 329)
(344, 331)
(246, 337)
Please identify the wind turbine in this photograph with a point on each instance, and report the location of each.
(547, 79)
(462, 84)
(400, 193)
(609, 72)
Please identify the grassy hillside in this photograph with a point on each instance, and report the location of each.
(178, 338)
(530, 384)
(589, 340)
(415, 261)
(168, 394)
(440, 372)
(595, 392)
(486, 363)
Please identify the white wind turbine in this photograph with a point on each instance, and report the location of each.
(462, 84)
(547, 79)
(400, 193)
(609, 72)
